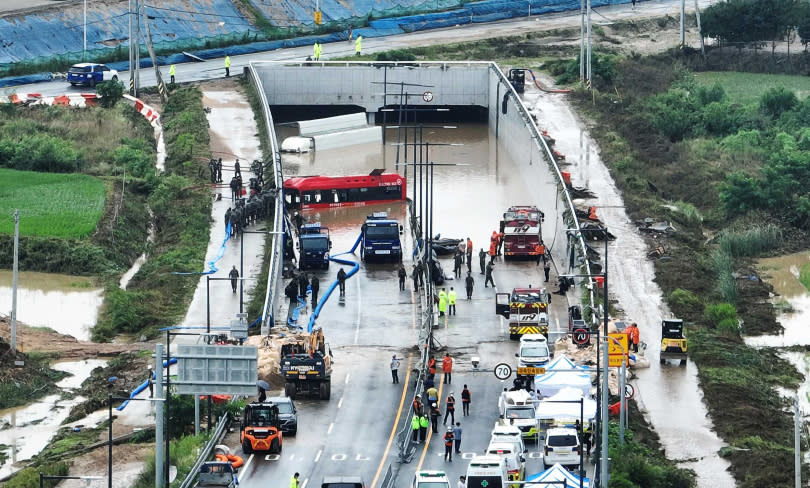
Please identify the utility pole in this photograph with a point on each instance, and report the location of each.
(603, 461)
(84, 53)
(697, 17)
(159, 419)
(581, 40)
(683, 22)
(131, 54)
(16, 274)
(137, 47)
(590, 84)
(160, 85)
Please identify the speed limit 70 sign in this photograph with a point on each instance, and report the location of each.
(503, 371)
(581, 336)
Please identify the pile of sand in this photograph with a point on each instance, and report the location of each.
(270, 354)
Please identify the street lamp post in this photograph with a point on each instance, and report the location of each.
(110, 433)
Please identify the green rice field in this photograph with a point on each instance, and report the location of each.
(746, 88)
(51, 205)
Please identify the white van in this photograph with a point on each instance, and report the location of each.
(509, 434)
(517, 408)
(486, 472)
(514, 460)
(533, 352)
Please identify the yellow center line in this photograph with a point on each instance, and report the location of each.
(430, 432)
(396, 422)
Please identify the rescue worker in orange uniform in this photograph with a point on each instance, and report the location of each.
(540, 249)
(447, 367)
(633, 336)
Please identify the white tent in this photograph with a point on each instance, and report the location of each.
(565, 405)
(563, 373)
(557, 473)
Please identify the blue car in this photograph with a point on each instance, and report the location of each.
(90, 74)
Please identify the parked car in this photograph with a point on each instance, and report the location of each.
(90, 74)
(287, 414)
(562, 447)
(342, 482)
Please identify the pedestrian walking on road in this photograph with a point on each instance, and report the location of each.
(633, 336)
(457, 261)
(237, 172)
(432, 395)
(423, 427)
(489, 276)
(316, 51)
(151, 382)
(482, 259)
(341, 277)
(395, 369)
(415, 428)
(234, 189)
(219, 170)
(469, 252)
(315, 286)
(172, 72)
(415, 275)
(448, 444)
(462, 482)
(228, 74)
(540, 249)
(234, 276)
(457, 435)
(212, 169)
(499, 235)
(451, 301)
(470, 282)
(432, 366)
(358, 45)
(447, 367)
(547, 269)
(294, 481)
(450, 409)
(493, 246)
(434, 417)
(303, 283)
(402, 275)
(291, 291)
(465, 401)
(262, 395)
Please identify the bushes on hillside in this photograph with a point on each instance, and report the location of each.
(39, 152)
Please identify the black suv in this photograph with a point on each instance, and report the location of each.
(287, 414)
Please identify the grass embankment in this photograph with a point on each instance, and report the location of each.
(666, 139)
(55, 205)
(181, 205)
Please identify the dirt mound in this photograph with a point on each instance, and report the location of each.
(270, 355)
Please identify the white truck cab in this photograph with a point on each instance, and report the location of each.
(508, 433)
(533, 354)
(517, 409)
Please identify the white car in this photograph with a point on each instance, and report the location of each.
(430, 479)
(90, 74)
(561, 447)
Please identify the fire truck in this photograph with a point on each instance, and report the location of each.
(526, 309)
(521, 228)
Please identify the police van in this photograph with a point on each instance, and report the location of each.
(486, 472)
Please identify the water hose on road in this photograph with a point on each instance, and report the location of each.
(541, 87)
(143, 386)
(355, 267)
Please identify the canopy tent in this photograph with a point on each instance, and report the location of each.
(557, 473)
(552, 409)
(562, 373)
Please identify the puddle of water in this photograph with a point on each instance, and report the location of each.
(66, 304)
(783, 273)
(27, 430)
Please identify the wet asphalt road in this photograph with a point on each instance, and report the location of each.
(352, 432)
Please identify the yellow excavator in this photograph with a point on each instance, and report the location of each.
(673, 342)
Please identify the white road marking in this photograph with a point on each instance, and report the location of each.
(304, 484)
(340, 402)
(245, 466)
(348, 375)
(292, 456)
(331, 426)
(318, 456)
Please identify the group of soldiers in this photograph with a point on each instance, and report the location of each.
(256, 207)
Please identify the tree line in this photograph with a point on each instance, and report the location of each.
(754, 22)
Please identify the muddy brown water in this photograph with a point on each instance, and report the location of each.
(66, 304)
(668, 394)
(19, 440)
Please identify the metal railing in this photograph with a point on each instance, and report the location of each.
(216, 438)
(277, 253)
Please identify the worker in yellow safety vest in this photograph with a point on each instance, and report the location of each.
(316, 50)
(442, 302)
(358, 45)
(227, 66)
(172, 71)
(451, 301)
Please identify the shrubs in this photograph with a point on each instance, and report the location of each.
(396, 55)
(110, 93)
(39, 152)
(777, 101)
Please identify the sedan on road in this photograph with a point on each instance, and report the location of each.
(287, 414)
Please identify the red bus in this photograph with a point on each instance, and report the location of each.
(307, 192)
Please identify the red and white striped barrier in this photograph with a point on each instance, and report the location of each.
(73, 100)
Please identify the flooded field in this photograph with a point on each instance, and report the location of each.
(66, 304)
(25, 431)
